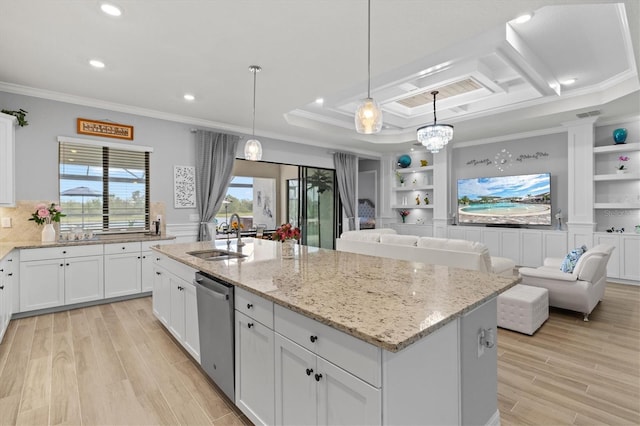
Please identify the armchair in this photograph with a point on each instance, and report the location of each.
(578, 291)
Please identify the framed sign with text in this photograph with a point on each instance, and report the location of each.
(103, 128)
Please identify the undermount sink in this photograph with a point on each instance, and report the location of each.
(214, 254)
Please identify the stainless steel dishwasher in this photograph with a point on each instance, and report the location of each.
(216, 322)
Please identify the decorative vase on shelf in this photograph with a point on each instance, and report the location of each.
(403, 219)
(404, 161)
(48, 233)
(287, 249)
(620, 135)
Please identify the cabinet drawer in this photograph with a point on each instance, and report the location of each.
(27, 255)
(254, 306)
(121, 248)
(353, 355)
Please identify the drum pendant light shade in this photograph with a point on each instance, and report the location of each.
(253, 147)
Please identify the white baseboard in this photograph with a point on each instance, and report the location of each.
(495, 419)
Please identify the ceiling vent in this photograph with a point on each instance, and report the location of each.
(588, 114)
(454, 89)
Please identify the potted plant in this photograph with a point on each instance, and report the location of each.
(288, 234)
(19, 114)
(46, 215)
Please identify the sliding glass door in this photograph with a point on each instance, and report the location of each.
(318, 206)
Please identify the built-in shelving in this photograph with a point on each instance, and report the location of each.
(616, 176)
(612, 206)
(412, 188)
(412, 206)
(623, 147)
(414, 169)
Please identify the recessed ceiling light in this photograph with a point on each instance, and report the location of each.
(523, 18)
(189, 97)
(568, 81)
(96, 63)
(319, 101)
(111, 9)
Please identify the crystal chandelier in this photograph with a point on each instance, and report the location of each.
(253, 148)
(368, 116)
(435, 136)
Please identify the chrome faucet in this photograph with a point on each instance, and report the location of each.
(239, 243)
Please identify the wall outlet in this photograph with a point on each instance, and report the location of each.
(159, 217)
(6, 222)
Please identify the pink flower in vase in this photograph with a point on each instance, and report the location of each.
(622, 159)
(43, 213)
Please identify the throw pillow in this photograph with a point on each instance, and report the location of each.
(570, 260)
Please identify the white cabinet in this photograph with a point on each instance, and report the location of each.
(174, 302)
(346, 374)
(6, 292)
(630, 255)
(530, 248)
(7, 160)
(122, 269)
(311, 390)
(254, 357)
(56, 276)
(146, 267)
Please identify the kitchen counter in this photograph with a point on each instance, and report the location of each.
(6, 247)
(388, 303)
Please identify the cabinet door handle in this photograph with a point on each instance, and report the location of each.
(64, 252)
(318, 377)
(250, 325)
(249, 305)
(138, 257)
(10, 274)
(144, 257)
(67, 264)
(158, 273)
(157, 259)
(1, 287)
(2, 270)
(62, 264)
(313, 340)
(309, 371)
(124, 248)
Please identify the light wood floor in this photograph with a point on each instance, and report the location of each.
(575, 372)
(115, 364)
(110, 364)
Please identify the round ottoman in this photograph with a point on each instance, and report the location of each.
(523, 308)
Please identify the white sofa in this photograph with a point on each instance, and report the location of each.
(578, 291)
(437, 251)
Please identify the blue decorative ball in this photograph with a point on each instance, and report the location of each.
(620, 135)
(404, 161)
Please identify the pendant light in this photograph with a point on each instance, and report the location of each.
(435, 136)
(253, 147)
(368, 116)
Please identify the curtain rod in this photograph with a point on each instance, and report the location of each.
(193, 130)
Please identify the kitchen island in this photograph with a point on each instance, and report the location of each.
(419, 338)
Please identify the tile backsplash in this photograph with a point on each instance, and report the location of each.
(22, 229)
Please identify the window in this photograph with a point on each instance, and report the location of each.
(104, 187)
(254, 201)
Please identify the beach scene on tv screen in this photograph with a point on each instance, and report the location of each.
(514, 200)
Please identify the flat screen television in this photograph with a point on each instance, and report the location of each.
(505, 200)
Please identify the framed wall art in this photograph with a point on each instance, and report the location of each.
(184, 187)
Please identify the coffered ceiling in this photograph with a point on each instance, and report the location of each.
(495, 76)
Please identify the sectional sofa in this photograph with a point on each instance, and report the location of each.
(438, 251)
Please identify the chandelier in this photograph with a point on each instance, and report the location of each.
(368, 118)
(435, 136)
(253, 148)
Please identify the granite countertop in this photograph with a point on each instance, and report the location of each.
(386, 302)
(6, 247)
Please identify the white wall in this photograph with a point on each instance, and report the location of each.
(173, 143)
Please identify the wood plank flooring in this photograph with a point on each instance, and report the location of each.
(575, 372)
(112, 364)
(115, 364)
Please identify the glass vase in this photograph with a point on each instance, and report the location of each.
(288, 249)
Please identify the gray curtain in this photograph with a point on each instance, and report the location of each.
(346, 171)
(215, 155)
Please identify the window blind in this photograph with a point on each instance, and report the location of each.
(103, 188)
